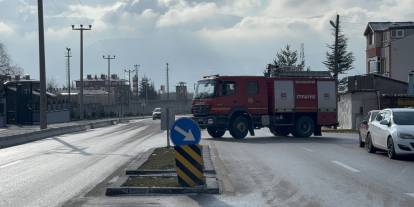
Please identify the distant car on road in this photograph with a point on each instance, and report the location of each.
(392, 130)
(363, 127)
(156, 114)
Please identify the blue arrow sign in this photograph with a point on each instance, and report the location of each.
(185, 132)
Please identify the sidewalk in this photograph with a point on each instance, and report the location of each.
(15, 135)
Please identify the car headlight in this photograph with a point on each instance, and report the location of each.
(405, 135)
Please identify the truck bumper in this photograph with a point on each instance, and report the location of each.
(210, 121)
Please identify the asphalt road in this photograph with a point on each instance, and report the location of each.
(51, 171)
(285, 171)
(318, 171)
(257, 171)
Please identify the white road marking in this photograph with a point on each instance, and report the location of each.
(307, 149)
(410, 194)
(10, 164)
(346, 166)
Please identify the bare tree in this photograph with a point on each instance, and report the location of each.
(51, 85)
(6, 66)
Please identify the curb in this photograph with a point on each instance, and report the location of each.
(19, 139)
(211, 186)
(136, 163)
(150, 172)
(339, 130)
(132, 168)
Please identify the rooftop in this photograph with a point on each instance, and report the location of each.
(383, 26)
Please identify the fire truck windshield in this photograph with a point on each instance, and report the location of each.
(205, 89)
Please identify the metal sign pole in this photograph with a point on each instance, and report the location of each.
(168, 127)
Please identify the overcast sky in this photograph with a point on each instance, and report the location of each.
(196, 37)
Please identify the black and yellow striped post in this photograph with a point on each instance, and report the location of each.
(189, 165)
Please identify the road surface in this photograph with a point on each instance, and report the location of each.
(320, 171)
(285, 171)
(51, 171)
(257, 171)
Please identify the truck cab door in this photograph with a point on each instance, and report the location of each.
(255, 96)
(226, 97)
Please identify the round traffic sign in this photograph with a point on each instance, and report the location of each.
(185, 132)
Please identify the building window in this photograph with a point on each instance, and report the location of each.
(371, 39)
(385, 36)
(374, 65)
(399, 33)
(383, 66)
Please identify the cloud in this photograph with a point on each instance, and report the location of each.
(258, 27)
(222, 36)
(186, 15)
(5, 29)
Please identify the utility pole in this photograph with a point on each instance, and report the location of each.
(168, 84)
(129, 77)
(68, 56)
(81, 29)
(137, 66)
(146, 90)
(336, 55)
(109, 58)
(302, 55)
(42, 67)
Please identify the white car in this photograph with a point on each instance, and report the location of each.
(156, 114)
(392, 130)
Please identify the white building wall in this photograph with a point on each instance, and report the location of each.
(352, 108)
(344, 111)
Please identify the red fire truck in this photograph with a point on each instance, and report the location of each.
(293, 103)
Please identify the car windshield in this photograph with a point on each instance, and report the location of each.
(373, 115)
(404, 118)
(205, 89)
(157, 110)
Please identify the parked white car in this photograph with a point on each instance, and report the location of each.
(392, 130)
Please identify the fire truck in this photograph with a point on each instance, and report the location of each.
(297, 103)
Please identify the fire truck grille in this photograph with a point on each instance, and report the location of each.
(200, 110)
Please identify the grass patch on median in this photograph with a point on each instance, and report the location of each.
(148, 181)
(161, 159)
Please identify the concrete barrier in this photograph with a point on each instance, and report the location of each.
(19, 139)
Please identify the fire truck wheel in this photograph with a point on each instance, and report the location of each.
(304, 127)
(216, 132)
(239, 127)
(279, 131)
